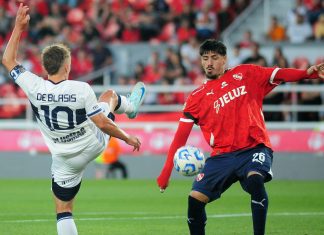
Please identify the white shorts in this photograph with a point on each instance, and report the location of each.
(67, 170)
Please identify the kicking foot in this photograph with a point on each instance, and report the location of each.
(136, 98)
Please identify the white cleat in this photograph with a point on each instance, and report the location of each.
(136, 98)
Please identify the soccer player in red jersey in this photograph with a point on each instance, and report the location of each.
(228, 110)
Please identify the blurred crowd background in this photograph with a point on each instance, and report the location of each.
(91, 27)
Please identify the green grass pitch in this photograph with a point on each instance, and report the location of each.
(136, 207)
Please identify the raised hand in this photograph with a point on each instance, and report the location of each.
(22, 17)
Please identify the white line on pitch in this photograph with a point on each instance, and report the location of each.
(169, 217)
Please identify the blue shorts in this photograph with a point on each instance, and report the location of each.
(221, 171)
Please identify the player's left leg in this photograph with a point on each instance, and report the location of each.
(259, 201)
(254, 172)
(63, 198)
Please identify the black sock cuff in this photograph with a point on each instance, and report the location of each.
(195, 202)
(118, 102)
(63, 215)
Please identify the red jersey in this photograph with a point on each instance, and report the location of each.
(229, 109)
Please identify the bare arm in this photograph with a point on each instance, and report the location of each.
(107, 126)
(9, 59)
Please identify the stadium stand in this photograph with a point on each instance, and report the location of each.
(120, 42)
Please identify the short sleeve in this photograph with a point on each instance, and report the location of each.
(25, 79)
(191, 108)
(91, 104)
(264, 77)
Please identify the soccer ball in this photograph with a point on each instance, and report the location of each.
(188, 160)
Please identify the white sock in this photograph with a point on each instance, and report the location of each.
(125, 106)
(66, 226)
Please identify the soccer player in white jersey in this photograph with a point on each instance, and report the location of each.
(74, 124)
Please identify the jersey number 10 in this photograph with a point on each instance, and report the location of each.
(51, 117)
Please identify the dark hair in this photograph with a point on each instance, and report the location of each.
(212, 45)
(54, 56)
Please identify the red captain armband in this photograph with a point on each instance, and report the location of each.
(16, 71)
(293, 75)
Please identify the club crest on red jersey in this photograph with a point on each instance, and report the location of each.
(238, 76)
(200, 176)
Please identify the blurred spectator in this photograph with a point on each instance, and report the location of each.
(12, 108)
(309, 98)
(70, 3)
(188, 14)
(167, 33)
(276, 32)
(300, 31)
(154, 70)
(315, 10)
(256, 57)
(171, 97)
(247, 40)
(139, 71)
(148, 23)
(279, 59)
(90, 31)
(190, 54)
(111, 30)
(298, 9)
(5, 23)
(277, 98)
(173, 67)
(237, 56)
(102, 57)
(82, 64)
(185, 32)
(319, 28)
(301, 62)
(206, 22)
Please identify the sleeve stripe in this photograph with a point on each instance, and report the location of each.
(186, 120)
(95, 112)
(273, 76)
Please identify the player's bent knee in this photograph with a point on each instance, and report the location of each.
(199, 196)
(255, 184)
(107, 95)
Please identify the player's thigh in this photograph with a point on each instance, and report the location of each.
(257, 160)
(216, 176)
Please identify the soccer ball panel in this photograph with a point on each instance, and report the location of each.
(188, 160)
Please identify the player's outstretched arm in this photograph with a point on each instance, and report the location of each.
(9, 59)
(295, 75)
(107, 126)
(179, 140)
(317, 70)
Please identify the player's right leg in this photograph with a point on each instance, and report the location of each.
(196, 213)
(63, 198)
(215, 178)
(121, 104)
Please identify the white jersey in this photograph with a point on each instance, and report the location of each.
(62, 111)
